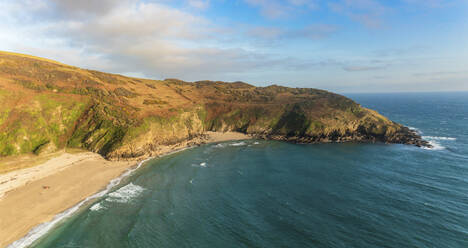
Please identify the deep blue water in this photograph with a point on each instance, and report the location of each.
(274, 194)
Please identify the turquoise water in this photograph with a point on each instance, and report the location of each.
(274, 194)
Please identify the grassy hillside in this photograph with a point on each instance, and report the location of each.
(46, 105)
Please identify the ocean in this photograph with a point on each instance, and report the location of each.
(259, 193)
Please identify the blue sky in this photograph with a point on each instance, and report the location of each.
(337, 45)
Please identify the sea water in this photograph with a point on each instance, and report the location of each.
(274, 194)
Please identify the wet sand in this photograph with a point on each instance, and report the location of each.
(34, 195)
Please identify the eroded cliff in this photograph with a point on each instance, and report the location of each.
(46, 105)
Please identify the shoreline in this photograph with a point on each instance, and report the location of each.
(33, 200)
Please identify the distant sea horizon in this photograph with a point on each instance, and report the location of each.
(258, 193)
(403, 92)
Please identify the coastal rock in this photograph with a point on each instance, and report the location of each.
(48, 105)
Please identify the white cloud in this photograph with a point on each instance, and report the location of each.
(141, 21)
(169, 38)
(141, 38)
(86, 6)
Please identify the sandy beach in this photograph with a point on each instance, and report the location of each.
(213, 137)
(34, 195)
(50, 188)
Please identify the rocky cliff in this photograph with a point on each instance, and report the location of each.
(46, 105)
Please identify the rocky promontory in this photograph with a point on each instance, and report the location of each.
(47, 106)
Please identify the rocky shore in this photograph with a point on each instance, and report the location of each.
(406, 137)
(48, 106)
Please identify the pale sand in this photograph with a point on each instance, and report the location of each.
(35, 195)
(42, 193)
(227, 136)
(17, 178)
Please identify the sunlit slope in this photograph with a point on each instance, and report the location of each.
(46, 105)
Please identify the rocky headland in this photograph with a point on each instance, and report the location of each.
(47, 106)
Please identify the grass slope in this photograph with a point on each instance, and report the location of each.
(46, 105)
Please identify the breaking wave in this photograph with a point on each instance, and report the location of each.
(417, 130)
(242, 143)
(435, 142)
(435, 146)
(203, 164)
(220, 145)
(97, 207)
(438, 138)
(125, 194)
(38, 231)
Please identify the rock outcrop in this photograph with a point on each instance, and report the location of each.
(47, 105)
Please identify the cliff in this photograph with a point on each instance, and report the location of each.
(46, 105)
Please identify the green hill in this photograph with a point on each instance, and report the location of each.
(46, 106)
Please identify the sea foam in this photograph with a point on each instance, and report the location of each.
(434, 141)
(125, 194)
(417, 130)
(96, 207)
(438, 138)
(435, 146)
(242, 143)
(202, 164)
(43, 228)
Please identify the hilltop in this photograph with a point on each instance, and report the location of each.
(47, 106)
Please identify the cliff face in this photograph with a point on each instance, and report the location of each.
(46, 106)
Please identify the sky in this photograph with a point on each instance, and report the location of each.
(338, 45)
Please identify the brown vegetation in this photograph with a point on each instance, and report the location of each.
(46, 105)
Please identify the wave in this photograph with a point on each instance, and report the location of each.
(417, 130)
(125, 194)
(97, 207)
(220, 145)
(203, 164)
(434, 141)
(38, 231)
(172, 152)
(435, 146)
(41, 229)
(242, 143)
(438, 138)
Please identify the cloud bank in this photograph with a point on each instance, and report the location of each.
(307, 43)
